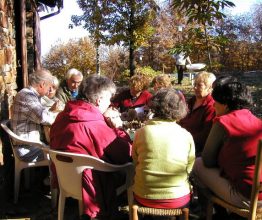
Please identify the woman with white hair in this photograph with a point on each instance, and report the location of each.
(68, 89)
(49, 100)
(201, 111)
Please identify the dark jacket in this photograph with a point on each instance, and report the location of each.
(63, 93)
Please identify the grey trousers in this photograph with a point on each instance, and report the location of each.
(210, 178)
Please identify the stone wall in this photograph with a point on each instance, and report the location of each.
(7, 61)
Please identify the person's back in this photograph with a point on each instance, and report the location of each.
(181, 60)
(163, 154)
(161, 159)
(82, 128)
(235, 155)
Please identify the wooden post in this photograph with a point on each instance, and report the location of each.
(37, 39)
(22, 7)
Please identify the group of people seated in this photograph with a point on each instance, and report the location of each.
(212, 137)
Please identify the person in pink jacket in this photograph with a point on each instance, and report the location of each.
(82, 128)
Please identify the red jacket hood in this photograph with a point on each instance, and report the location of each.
(241, 122)
(81, 111)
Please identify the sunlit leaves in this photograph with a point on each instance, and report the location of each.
(78, 54)
(202, 11)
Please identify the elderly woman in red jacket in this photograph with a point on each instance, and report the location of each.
(201, 110)
(228, 159)
(82, 128)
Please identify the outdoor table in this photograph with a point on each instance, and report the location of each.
(193, 68)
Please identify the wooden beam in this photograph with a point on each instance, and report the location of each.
(23, 42)
(37, 41)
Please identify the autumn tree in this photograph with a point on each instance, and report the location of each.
(130, 24)
(78, 54)
(123, 22)
(257, 20)
(203, 12)
(114, 61)
(166, 36)
(94, 19)
(243, 43)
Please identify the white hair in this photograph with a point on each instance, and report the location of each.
(39, 76)
(206, 77)
(56, 82)
(73, 72)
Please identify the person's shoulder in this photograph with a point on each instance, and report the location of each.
(63, 86)
(146, 93)
(122, 94)
(26, 92)
(209, 100)
(186, 133)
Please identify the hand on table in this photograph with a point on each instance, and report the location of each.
(58, 106)
(113, 119)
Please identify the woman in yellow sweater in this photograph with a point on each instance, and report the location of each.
(163, 153)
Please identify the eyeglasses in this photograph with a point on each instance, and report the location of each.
(199, 85)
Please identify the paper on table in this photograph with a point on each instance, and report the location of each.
(139, 110)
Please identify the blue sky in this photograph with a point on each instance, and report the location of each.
(55, 29)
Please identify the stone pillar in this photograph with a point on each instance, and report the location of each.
(7, 61)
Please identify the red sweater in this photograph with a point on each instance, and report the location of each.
(81, 128)
(236, 158)
(124, 100)
(199, 121)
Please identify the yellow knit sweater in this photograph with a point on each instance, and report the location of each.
(164, 154)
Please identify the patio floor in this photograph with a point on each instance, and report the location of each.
(35, 204)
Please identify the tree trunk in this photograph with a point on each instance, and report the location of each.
(207, 45)
(131, 43)
(97, 58)
(131, 58)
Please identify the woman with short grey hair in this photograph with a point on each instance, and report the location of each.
(83, 128)
(163, 154)
(93, 88)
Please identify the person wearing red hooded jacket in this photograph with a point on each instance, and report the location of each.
(228, 160)
(83, 128)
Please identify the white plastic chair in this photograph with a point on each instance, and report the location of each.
(19, 164)
(69, 168)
